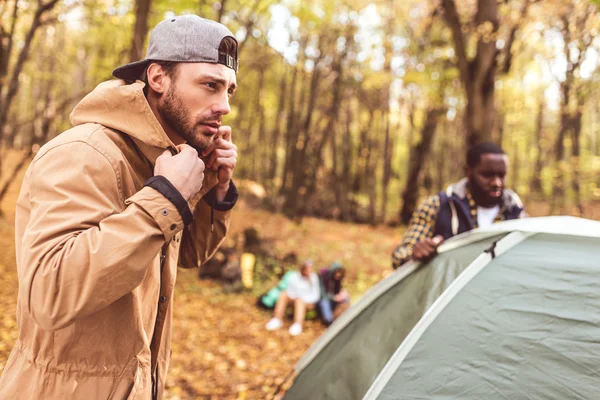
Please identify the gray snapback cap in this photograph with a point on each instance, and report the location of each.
(186, 38)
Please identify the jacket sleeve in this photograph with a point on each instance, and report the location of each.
(202, 238)
(85, 246)
(421, 226)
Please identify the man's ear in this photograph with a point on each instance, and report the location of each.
(468, 171)
(157, 79)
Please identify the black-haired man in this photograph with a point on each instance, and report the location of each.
(478, 200)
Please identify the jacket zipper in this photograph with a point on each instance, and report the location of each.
(163, 257)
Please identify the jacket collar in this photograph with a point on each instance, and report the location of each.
(460, 189)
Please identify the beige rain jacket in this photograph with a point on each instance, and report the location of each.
(97, 256)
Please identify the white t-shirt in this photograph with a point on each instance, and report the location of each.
(486, 216)
(306, 289)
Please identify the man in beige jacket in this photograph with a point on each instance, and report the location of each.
(110, 208)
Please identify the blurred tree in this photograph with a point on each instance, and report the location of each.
(140, 29)
(478, 72)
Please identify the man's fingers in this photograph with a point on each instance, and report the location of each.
(165, 155)
(223, 162)
(220, 153)
(210, 148)
(439, 239)
(219, 143)
(185, 148)
(225, 133)
(424, 249)
(428, 246)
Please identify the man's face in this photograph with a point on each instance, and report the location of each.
(195, 101)
(306, 270)
(487, 179)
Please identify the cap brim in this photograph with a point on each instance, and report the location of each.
(131, 71)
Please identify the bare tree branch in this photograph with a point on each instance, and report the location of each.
(507, 59)
(251, 21)
(23, 55)
(5, 53)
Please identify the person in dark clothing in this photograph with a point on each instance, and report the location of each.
(478, 200)
(334, 299)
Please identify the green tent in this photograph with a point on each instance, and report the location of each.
(507, 312)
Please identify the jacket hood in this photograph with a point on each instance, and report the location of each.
(124, 108)
(509, 198)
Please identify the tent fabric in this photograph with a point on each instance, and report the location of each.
(528, 315)
(345, 367)
(527, 327)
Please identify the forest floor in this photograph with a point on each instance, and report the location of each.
(220, 347)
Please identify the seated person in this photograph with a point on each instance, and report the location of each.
(303, 291)
(334, 299)
(478, 200)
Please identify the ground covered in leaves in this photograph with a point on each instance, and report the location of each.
(220, 347)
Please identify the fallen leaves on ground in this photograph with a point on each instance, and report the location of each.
(220, 347)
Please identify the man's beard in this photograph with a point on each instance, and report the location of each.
(177, 115)
(481, 197)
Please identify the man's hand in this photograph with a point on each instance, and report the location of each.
(427, 249)
(184, 170)
(222, 158)
(341, 296)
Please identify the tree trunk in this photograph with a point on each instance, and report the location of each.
(418, 159)
(297, 194)
(221, 11)
(291, 127)
(536, 179)
(480, 113)
(478, 74)
(330, 131)
(516, 163)
(276, 131)
(6, 51)
(576, 161)
(370, 175)
(347, 162)
(442, 149)
(256, 128)
(558, 186)
(335, 174)
(500, 129)
(362, 155)
(388, 148)
(140, 30)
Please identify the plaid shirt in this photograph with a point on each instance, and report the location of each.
(422, 226)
